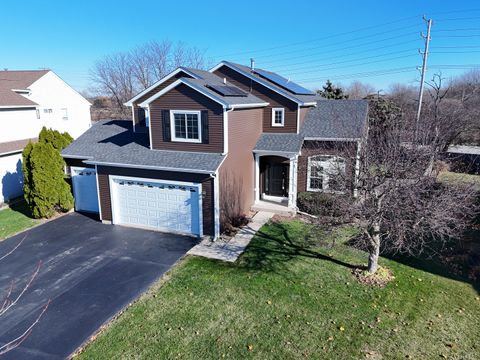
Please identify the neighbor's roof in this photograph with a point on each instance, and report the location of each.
(291, 143)
(114, 142)
(336, 119)
(14, 146)
(17, 80)
(247, 70)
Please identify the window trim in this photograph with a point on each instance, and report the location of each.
(325, 178)
(64, 113)
(274, 110)
(172, 126)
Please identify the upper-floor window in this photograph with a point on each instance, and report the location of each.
(326, 173)
(147, 117)
(185, 126)
(47, 111)
(278, 117)
(64, 112)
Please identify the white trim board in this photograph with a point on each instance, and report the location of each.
(173, 136)
(148, 167)
(198, 186)
(261, 82)
(159, 82)
(274, 110)
(185, 82)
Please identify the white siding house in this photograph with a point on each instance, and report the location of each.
(30, 100)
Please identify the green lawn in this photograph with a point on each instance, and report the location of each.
(289, 298)
(15, 219)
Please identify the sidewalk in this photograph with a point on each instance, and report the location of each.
(231, 250)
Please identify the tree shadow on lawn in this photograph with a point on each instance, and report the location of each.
(21, 207)
(271, 250)
(459, 259)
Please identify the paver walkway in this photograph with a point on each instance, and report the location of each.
(231, 250)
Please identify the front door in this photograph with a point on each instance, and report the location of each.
(276, 180)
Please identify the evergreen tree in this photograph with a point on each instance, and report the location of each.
(45, 188)
(330, 91)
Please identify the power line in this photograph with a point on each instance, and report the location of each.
(343, 41)
(361, 74)
(321, 38)
(353, 60)
(344, 48)
(369, 50)
(457, 36)
(353, 65)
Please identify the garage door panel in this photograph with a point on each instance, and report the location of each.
(84, 182)
(157, 205)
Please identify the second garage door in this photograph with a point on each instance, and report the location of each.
(166, 206)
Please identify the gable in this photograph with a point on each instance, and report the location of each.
(161, 86)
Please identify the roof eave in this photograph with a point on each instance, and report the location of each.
(150, 167)
(159, 82)
(260, 81)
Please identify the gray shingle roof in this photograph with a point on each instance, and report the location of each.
(113, 141)
(300, 98)
(336, 119)
(279, 143)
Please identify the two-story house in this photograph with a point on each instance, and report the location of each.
(202, 144)
(30, 100)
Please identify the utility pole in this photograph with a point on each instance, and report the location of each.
(424, 70)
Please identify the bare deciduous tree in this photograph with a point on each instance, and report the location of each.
(358, 90)
(122, 75)
(400, 207)
(11, 298)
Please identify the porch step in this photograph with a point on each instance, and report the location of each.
(274, 208)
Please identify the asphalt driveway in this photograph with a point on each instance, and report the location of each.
(89, 272)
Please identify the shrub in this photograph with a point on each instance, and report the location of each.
(321, 204)
(58, 140)
(45, 188)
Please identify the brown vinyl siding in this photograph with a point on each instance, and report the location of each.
(77, 163)
(185, 98)
(303, 113)
(205, 180)
(154, 91)
(237, 173)
(311, 148)
(276, 100)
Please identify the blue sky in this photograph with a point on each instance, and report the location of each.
(372, 41)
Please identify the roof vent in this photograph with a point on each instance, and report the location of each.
(225, 80)
(252, 64)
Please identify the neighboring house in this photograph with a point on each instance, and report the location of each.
(30, 100)
(206, 145)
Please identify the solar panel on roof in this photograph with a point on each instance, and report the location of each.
(226, 90)
(285, 83)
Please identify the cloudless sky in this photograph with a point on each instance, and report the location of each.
(309, 41)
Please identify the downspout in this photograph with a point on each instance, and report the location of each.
(216, 205)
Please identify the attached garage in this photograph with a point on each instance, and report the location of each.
(84, 182)
(161, 205)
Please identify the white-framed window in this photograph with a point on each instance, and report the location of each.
(278, 117)
(185, 126)
(38, 113)
(147, 117)
(326, 173)
(64, 113)
(47, 111)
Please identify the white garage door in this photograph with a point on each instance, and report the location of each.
(158, 205)
(84, 181)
